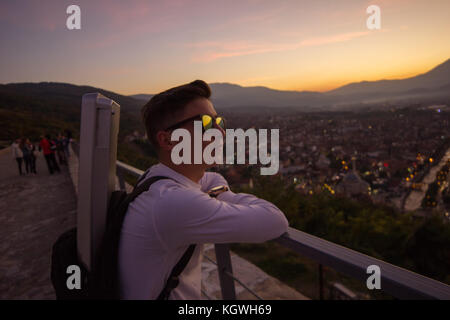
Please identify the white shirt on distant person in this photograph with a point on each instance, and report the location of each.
(16, 152)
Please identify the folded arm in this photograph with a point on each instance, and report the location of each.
(191, 216)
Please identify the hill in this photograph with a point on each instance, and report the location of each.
(433, 79)
(31, 109)
(434, 83)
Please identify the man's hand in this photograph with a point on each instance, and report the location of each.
(216, 191)
(211, 180)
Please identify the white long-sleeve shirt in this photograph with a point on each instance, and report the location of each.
(161, 223)
(16, 152)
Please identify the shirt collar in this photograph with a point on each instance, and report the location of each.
(163, 170)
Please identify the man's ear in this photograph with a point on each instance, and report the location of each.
(164, 140)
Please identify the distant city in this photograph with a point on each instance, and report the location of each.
(393, 156)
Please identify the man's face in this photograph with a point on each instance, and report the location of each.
(199, 106)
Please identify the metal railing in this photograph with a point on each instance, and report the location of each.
(396, 281)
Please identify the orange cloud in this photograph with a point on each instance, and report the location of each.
(240, 48)
(332, 39)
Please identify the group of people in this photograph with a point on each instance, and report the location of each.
(25, 152)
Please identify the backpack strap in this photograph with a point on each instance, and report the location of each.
(144, 186)
(105, 275)
(142, 177)
(173, 280)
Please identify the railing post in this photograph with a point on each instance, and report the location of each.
(97, 170)
(224, 265)
(320, 281)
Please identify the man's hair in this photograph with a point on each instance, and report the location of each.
(162, 109)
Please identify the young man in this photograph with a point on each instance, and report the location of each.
(161, 223)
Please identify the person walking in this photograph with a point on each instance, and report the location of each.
(48, 149)
(26, 155)
(32, 149)
(53, 148)
(60, 150)
(17, 154)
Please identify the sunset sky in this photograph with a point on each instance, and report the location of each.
(148, 46)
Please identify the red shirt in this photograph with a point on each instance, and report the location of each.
(45, 145)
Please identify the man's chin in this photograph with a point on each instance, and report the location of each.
(209, 166)
(205, 166)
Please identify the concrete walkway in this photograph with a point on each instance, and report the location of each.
(265, 286)
(34, 211)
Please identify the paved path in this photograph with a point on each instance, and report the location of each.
(34, 211)
(265, 286)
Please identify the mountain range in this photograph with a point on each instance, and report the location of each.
(30, 109)
(435, 82)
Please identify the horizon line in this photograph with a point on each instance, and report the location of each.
(237, 84)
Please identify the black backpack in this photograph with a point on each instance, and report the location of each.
(103, 281)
